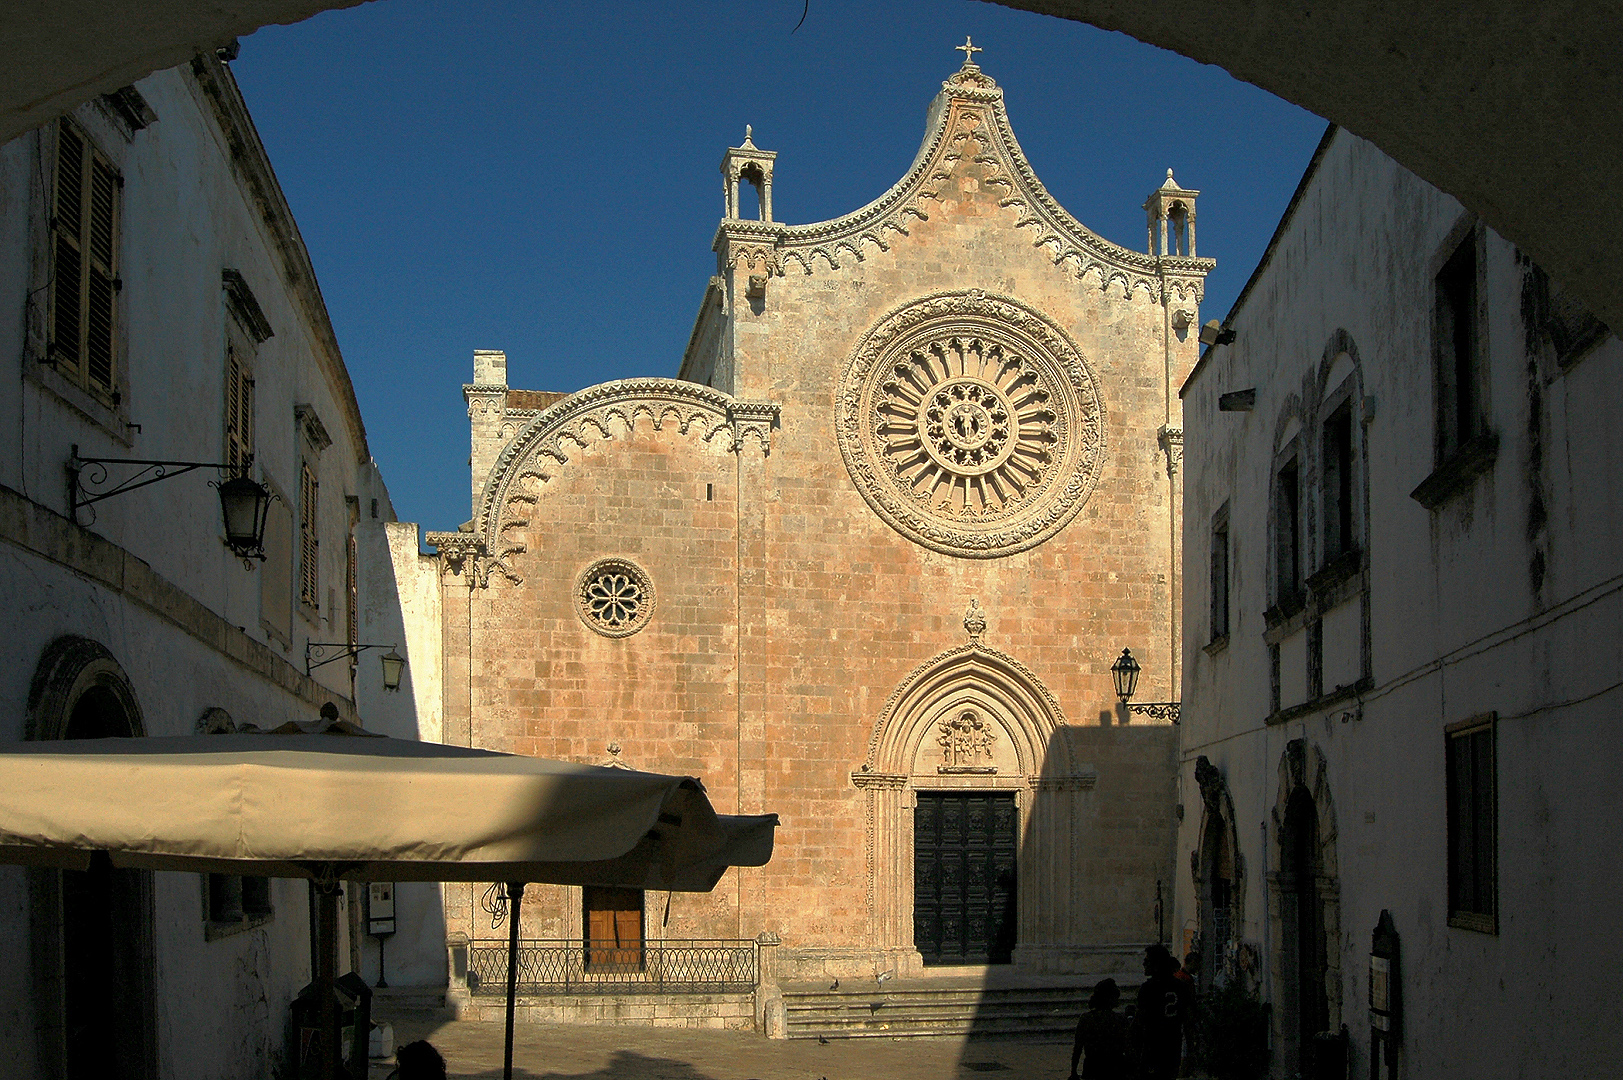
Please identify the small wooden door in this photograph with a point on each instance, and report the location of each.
(613, 921)
(964, 877)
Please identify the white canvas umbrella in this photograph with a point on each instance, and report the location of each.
(329, 807)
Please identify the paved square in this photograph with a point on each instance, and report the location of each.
(581, 1052)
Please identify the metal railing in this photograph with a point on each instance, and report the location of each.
(654, 967)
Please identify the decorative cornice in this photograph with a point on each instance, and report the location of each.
(1082, 781)
(590, 415)
(878, 780)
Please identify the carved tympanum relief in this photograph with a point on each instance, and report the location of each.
(971, 423)
(615, 597)
(966, 740)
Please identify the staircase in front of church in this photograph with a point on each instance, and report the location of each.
(946, 1004)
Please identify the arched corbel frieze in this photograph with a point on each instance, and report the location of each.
(543, 445)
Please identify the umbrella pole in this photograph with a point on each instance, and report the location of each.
(327, 975)
(515, 898)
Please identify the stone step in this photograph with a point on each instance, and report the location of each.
(409, 1003)
(919, 1009)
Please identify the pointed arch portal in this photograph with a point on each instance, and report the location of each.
(955, 766)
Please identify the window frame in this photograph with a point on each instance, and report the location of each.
(1285, 522)
(1459, 351)
(1483, 915)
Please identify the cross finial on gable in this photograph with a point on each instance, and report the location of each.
(969, 49)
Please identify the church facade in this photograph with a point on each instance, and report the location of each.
(865, 563)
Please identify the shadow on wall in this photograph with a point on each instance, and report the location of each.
(398, 594)
(1099, 834)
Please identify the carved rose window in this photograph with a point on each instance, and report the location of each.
(971, 424)
(615, 597)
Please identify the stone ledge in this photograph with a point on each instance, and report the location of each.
(43, 532)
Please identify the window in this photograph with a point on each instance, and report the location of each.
(1472, 825)
(1337, 470)
(1287, 530)
(1220, 574)
(245, 331)
(84, 270)
(309, 543)
(1458, 349)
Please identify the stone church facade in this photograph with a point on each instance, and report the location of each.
(865, 563)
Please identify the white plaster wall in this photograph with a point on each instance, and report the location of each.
(1457, 627)
(187, 213)
(400, 591)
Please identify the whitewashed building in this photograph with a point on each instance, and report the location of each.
(158, 304)
(1403, 663)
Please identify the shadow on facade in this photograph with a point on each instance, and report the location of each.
(1098, 826)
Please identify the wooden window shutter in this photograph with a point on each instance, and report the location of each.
(67, 278)
(100, 294)
(239, 410)
(84, 246)
(309, 577)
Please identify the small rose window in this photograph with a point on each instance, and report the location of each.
(615, 597)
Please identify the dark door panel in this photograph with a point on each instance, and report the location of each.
(964, 877)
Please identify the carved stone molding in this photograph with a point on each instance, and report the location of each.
(971, 424)
(594, 414)
(465, 555)
(886, 781)
(753, 419)
(1171, 441)
(993, 675)
(1082, 781)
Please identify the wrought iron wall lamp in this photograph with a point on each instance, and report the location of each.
(1125, 671)
(244, 503)
(394, 665)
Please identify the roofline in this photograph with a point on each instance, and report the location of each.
(248, 153)
(1268, 252)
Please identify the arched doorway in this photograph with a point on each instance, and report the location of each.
(956, 875)
(1305, 906)
(1218, 877)
(1306, 966)
(92, 929)
(1216, 899)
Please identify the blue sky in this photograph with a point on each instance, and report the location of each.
(543, 177)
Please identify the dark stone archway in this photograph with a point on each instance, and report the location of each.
(92, 930)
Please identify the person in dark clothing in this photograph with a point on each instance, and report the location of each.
(418, 1061)
(1102, 1034)
(1165, 1011)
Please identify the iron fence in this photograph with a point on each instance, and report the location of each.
(655, 967)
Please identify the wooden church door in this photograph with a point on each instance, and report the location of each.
(613, 919)
(964, 885)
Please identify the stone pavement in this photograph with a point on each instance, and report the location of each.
(584, 1052)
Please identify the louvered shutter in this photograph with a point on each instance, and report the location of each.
(309, 578)
(84, 275)
(239, 410)
(67, 276)
(99, 293)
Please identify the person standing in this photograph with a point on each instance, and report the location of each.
(1101, 1033)
(1165, 1012)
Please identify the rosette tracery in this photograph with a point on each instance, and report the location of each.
(971, 424)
